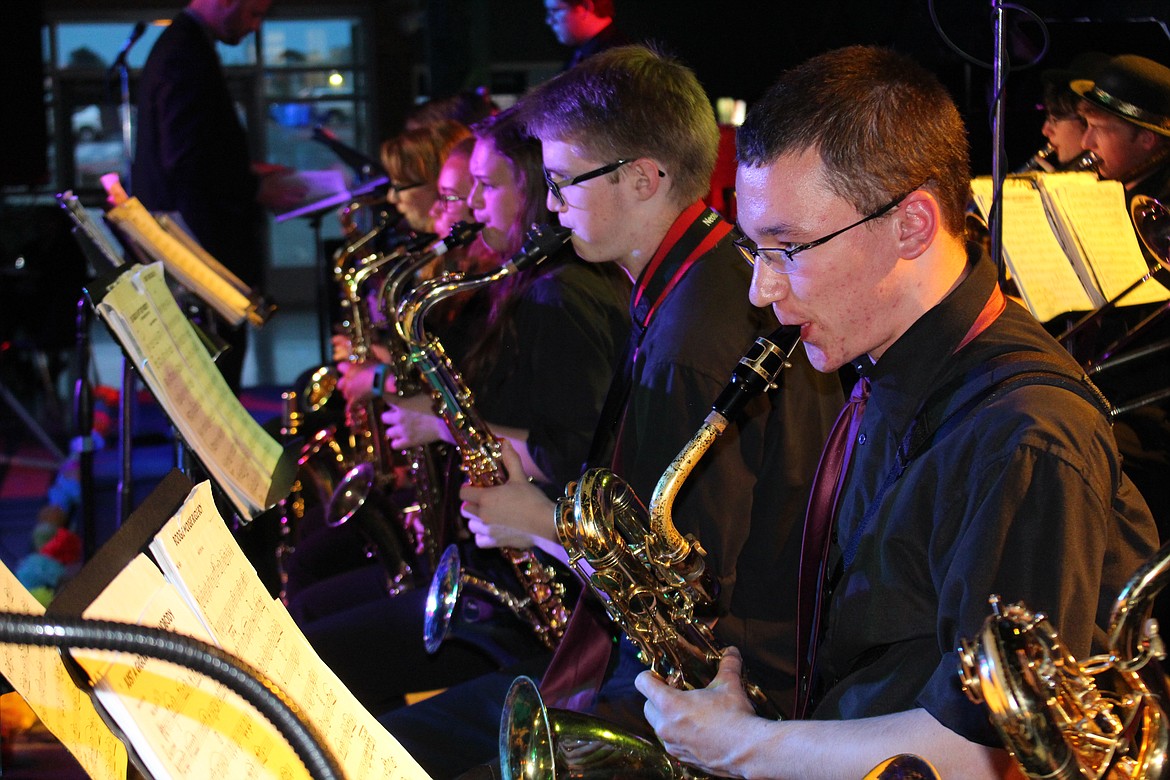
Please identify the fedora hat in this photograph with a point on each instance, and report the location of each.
(1132, 87)
(1082, 67)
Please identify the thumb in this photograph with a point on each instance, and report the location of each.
(730, 667)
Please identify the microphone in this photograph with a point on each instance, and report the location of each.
(131, 39)
(363, 165)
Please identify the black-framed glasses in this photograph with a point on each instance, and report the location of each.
(398, 189)
(555, 187)
(450, 203)
(770, 255)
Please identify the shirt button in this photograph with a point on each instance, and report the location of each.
(861, 438)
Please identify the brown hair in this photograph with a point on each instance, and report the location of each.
(882, 124)
(629, 102)
(416, 155)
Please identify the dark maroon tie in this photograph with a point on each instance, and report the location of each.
(818, 526)
(579, 664)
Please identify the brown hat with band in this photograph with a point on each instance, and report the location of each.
(1132, 87)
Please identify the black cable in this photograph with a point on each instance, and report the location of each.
(210, 661)
(982, 63)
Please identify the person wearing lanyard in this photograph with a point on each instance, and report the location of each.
(983, 462)
(629, 143)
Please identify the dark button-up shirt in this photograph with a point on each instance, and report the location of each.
(1024, 498)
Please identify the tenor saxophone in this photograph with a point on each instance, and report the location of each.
(650, 577)
(541, 604)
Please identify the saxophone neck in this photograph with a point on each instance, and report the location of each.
(756, 372)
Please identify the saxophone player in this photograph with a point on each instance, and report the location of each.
(629, 146)
(967, 478)
(538, 355)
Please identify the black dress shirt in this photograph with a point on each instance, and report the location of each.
(1024, 498)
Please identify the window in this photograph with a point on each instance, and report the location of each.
(301, 72)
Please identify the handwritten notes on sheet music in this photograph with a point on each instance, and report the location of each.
(211, 591)
(239, 454)
(39, 677)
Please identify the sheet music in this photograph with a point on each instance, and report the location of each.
(138, 223)
(1039, 266)
(1096, 210)
(196, 549)
(239, 454)
(40, 678)
(181, 723)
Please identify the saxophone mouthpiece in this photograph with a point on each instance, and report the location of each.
(540, 242)
(758, 370)
(462, 234)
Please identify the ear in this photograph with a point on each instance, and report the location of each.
(645, 175)
(917, 224)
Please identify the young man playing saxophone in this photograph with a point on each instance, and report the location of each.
(629, 143)
(959, 487)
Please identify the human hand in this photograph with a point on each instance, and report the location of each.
(356, 382)
(711, 727)
(342, 347)
(412, 422)
(515, 514)
(279, 189)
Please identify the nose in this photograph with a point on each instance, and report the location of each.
(767, 286)
(475, 197)
(1048, 128)
(1089, 138)
(553, 203)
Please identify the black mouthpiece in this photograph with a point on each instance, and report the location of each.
(540, 242)
(758, 370)
(462, 234)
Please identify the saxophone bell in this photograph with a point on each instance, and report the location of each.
(538, 742)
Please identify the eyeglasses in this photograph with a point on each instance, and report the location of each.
(398, 189)
(450, 203)
(767, 254)
(555, 187)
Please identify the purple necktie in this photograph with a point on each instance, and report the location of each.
(818, 525)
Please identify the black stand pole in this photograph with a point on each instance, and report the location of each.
(126, 420)
(83, 420)
(999, 79)
(324, 284)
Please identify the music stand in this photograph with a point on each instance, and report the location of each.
(315, 212)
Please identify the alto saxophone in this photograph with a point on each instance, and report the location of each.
(650, 577)
(1104, 718)
(541, 606)
(359, 497)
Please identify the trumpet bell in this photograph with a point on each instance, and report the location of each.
(1151, 220)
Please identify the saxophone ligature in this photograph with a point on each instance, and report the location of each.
(1103, 718)
(540, 601)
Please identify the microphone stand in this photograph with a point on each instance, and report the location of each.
(83, 420)
(999, 80)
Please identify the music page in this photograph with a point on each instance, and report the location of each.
(1096, 212)
(195, 548)
(239, 454)
(180, 723)
(39, 676)
(1038, 263)
(138, 223)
